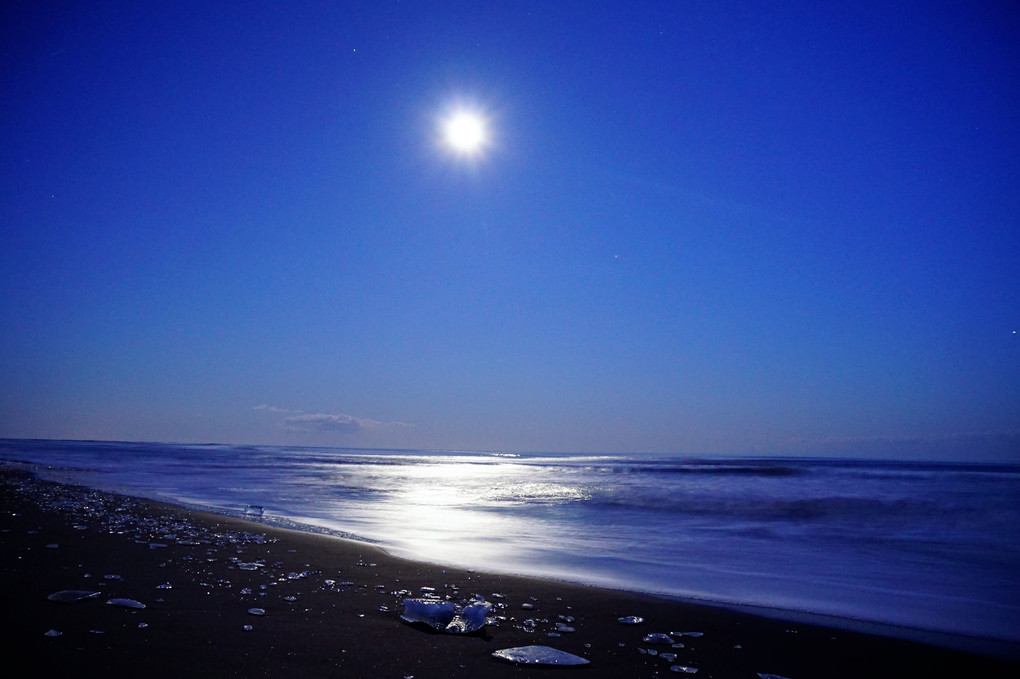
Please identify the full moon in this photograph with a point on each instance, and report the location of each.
(465, 132)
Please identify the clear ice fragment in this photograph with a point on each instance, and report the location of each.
(766, 675)
(254, 510)
(631, 620)
(52, 633)
(445, 615)
(429, 611)
(560, 627)
(684, 669)
(69, 596)
(126, 603)
(471, 618)
(658, 638)
(256, 611)
(539, 655)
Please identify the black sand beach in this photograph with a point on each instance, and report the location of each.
(332, 608)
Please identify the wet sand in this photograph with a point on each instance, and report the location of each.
(332, 608)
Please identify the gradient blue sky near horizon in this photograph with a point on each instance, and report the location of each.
(697, 227)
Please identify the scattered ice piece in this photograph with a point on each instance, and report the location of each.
(765, 675)
(527, 607)
(539, 655)
(69, 596)
(246, 590)
(432, 612)
(657, 638)
(53, 546)
(652, 652)
(249, 566)
(52, 633)
(631, 620)
(684, 669)
(247, 628)
(290, 598)
(443, 615)
(126, 603)
(112, 576)
(668, 657)
(165, 585)
(143, 625)
(471, 618)
(688, 634)
(560, 627)
(256, 611)
(156, 545)
(254, 510)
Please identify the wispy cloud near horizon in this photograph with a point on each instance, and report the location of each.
(298, 421)
(273, 409)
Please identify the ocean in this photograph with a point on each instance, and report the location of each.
(923, 546)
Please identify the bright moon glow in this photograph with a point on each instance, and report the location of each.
(465, 132)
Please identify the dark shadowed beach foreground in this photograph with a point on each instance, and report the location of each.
(228, 597)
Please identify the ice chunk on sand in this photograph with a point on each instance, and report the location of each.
(539, 655)
(658, 638)
(69, 596)
(432, 612)
(126, 603)
(445, 615)
(631, 620)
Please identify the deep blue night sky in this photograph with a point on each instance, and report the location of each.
(697, 227)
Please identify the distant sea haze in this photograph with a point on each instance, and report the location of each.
(928, 546)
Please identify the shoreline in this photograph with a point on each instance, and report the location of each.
(57, 537)
(1002, 646)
